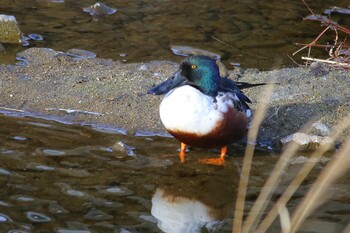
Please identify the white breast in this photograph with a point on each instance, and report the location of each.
(186, 109)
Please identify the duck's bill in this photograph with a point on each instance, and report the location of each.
(173, 81)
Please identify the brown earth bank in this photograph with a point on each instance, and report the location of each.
(107, 93)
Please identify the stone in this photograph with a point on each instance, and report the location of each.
(187, 51)
(99, 9)
(308, 142)
(9, 30)
(320, 129)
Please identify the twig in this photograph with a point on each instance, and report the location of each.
(313, 42)
(307, 6)
(347, 65)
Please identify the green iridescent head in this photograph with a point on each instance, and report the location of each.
(203, 73)
(200, 72)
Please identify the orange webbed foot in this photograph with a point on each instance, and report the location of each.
(182, 152)
(213, 161)
(216, 161)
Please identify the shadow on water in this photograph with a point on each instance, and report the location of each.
(65, 178)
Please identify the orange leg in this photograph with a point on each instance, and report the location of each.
(217, 161)
(182, 152)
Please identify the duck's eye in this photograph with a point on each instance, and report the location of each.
(193, 66)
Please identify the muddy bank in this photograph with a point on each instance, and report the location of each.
(108, 93)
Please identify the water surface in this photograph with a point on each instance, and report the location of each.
(68, 178)
(258, 34)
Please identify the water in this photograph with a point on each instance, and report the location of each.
(258, 34)
(69, 178)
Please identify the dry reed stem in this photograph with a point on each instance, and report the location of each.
(300, 177)
(330, 173)
(248, 156)
(347, 229)
(268, 188)
(271, 184)
(284, 219)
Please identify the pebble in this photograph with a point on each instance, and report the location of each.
(320, 129)
(308, 142)
(99, 9)
(187, 51)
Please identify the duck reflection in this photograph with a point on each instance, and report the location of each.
(189, 199)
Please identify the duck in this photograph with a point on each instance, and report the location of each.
(202, 109)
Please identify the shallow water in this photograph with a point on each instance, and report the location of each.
(68, 178)
(258, 34)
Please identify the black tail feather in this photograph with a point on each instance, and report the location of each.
(245, 85)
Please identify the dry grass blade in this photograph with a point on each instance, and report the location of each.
(284, 219)
(347, 229)
(300, 177)
(269, 187)
(332, 171)
(248, 156)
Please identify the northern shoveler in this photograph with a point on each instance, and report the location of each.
(201, 108)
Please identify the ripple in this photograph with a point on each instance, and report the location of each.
(56, 1)
(18, 231)
(52, 152)
(117, 190)
(24, 187)
(123, 230)
(74, 172)
(4, 203)
(22, 198)
(37, 217)
(6, 151)
(19, 138)
(4, 172)
(97, 215)
(39, 124)
(106, 203)
(4, 218)
(148, 218)
(72, 192)
(65, 188)
(72, 231)
(39, 167)
(57, 209)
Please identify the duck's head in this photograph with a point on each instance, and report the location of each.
(200, 72)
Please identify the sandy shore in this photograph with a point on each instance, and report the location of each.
(108, 93)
